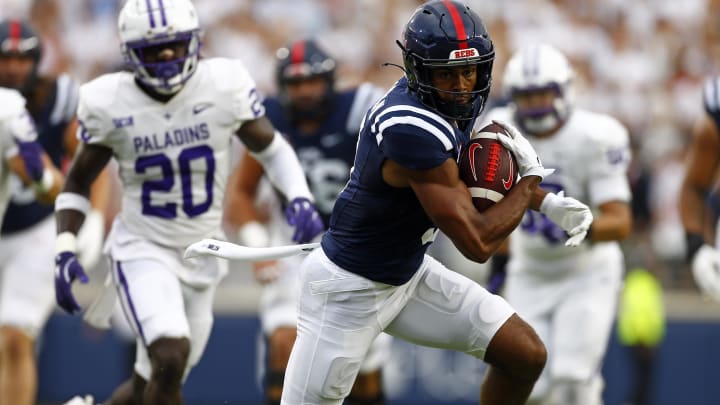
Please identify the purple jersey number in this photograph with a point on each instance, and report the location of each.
(166, 183)
(536, 223)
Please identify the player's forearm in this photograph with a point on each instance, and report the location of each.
(283, 169)
(100, 191)
(609, 228)
(490, 229)
(692, 209)
(502, 218)
(537, 198)
(72, 204)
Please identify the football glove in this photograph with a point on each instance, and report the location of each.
(301, 214)
(569, 214)
(67, 269)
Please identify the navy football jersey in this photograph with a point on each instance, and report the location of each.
(327, 154)
(50, 122)
(378, 231)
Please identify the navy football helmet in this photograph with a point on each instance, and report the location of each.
(18, 38)
(442, 34)
(302, 60)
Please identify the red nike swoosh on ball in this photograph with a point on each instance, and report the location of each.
(471, 152)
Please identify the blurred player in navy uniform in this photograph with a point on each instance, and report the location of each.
(372, 274)
(568, 295)
(168, 123)
(322, 124)
(26, 289)
(702, 164)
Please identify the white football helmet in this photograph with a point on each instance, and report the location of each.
(539, 67)
(144, 24)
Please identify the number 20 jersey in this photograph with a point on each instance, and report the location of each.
(173, 157)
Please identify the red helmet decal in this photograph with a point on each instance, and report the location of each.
(458, 23)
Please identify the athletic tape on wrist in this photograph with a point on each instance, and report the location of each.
(72, 201)
(65, 242)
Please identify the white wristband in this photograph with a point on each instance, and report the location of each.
(72, 201)
(549, 199)
(46, 183)
(253, 234)
(65, 242)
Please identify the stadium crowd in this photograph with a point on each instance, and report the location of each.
(643, 62)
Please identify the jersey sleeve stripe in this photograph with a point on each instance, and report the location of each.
(418, 122)
(419, 111)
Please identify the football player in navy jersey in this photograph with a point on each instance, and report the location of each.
(371, 273)
(322, 124)
(28, 229)
(702, 164)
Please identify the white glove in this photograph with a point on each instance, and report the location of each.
(527, 159)
(90, 239)
(569, 214)
(706, 270)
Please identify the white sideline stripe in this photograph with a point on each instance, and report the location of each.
(485, 135)
(481, 192)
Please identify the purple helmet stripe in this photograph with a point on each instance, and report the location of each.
(150, 13)
(162, 12)
(130, 310)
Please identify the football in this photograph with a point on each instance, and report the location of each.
(488, 169)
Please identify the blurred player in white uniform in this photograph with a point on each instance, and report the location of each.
(322, 124)
(28, 229)
(169, 125)
(21, 154)
(568, 295)
(698, 200)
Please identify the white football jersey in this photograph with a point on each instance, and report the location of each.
(590, 155)
(173, 157)
(16, 125)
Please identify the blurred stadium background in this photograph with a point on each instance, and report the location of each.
(642, 61)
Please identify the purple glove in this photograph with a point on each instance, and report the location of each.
(67, 269)
(496, 279)
(301, 214)
(31, 154)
